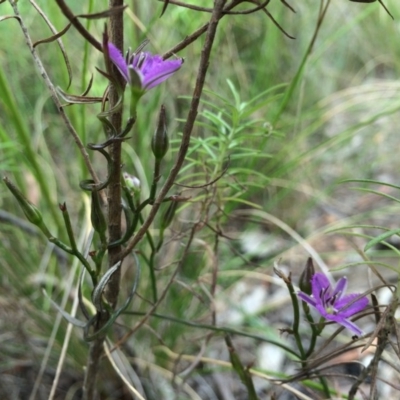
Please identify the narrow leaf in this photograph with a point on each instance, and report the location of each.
(72, 320)
(117, 313)
(103, 14)
(53, 37)
(98, 290)
(381, 238)
(58, 38)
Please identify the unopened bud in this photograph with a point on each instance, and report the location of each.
(31, 212)
(132, 183)
(169, 215)
(306, 276)
(96, 215)
(160, 141)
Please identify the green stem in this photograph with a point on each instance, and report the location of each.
(68, 226)
(314, 330)
(156, 178)
(219, 329)
(325, 387)
(296, 318)
(152, 271)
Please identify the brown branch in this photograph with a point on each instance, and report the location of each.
(115, 34)
(227, 10)
(189, 6)
(186, 42)
(196, 34)
(250, 11)
(79, 27)
(114, 190)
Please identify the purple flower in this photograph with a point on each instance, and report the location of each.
(151, 69)
(332, 303)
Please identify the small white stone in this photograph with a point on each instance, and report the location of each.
(270, 357)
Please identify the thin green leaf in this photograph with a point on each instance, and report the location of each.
(99, 289)
(388, 196)
(242, 201)
(381, 238)
(117, 313)
(72, 320)
(370, 181)
(355, 264)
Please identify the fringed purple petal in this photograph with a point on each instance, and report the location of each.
(340, 287)
(347, 306)
(157, 71)
(118, 60)
(152, 69)
(307, 299)
(319, 285)
(345, 322)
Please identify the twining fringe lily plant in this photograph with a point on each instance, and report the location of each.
(145, 231)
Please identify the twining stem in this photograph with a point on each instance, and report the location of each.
(74, 249)
(218, 329)
(315, 332)
(114, 189)
(115, 34)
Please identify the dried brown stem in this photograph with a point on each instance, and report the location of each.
(79, 27)
(227, 10)
(115, 34)
(196, 34)
(189, 6)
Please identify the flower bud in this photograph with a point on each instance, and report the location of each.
(306, 276)
(160, 141)
(132, 183)
(169, 215)
(96, 215)
(31, 212)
